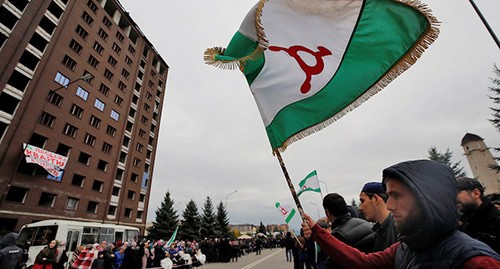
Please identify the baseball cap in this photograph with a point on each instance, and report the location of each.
(467, 183)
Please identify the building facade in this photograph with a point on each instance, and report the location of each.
(480, 159)
(79, 79)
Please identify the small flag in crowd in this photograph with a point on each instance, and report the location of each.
(287, 211)
(310, 183)
(172, 239)
(310, 62)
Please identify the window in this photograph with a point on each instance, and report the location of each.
(78, 180)
(122, 86)
(123, 157)
(87, 18)
(150, 84)
(70, 130)
(75, 46)
(68, 62)
(139, 147)
(115, 115)
(131, 112)
(142, 198)
(89, 139)
(135, 99)
(102, 165)
(72, 204)
(144, 119)
(84, 158)
(108, 74)
(16, 194)
(106, 22)
(39, 42)
(119, 174)
(103, 34)
(149, 96)
(116, 191)
(92, 207)
(98, 48)
(112, 61)
(128, 212)
(147, 107)
(106, 148)
(142, 133)
(76, 111)
(61, 79)
(97, 185)
(128, 61)
(116, 48)
(93, 61)
(131, 195)
(63, 149)
(47, 199)
(126, 141)
(131, 49)
(47, 25)
(104, 89)
(129, 126)
(111, 131)
(99, 104)
(120, 36)
(82, 93)
(112, 210)
(125, 73)
(47, 119)
(134, 177)
(95, 121)
(92, 6)
(139, 214)
(137, 162)
(81, 32)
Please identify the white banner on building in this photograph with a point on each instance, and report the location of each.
(50, 161)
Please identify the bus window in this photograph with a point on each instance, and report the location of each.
(106, 234)
(132, 235)
(119, 237)
(37, 236)
(72, 240)
(90, 235)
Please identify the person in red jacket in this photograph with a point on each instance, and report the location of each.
(422, 200)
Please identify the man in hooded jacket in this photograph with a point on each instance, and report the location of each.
(422, 200)
(10, 254)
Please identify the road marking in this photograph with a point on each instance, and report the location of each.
(253, 264)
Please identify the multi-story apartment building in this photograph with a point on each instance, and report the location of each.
(79, 79)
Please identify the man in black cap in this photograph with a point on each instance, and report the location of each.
(373, 201)
(480, 218)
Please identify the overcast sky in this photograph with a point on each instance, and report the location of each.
(212, 140)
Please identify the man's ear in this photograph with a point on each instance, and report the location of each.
(476, 193)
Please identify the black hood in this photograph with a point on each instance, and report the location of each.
(435, 187)
(8, 240)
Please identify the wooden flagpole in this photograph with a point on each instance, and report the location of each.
(290, 184)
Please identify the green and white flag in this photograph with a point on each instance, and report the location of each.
(172, 238)
(286, 210)
(310, 183)
(309, 62)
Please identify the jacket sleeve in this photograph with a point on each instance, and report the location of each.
(350, 257)
(481, 262)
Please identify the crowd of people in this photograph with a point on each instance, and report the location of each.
(419, 216)
(423, 217)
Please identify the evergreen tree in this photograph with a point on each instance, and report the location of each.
(208, 220)
(495, 120)
(445, 158)
(166, 220)
(190, 228)
(222, 224)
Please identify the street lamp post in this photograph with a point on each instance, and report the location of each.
(317, 208)
(233, 192)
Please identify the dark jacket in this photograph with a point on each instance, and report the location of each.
(355, 232)
(10, 254)
(385, 234)
(483, 224)
(435, 243)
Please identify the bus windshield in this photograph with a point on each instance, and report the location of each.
(37, 236)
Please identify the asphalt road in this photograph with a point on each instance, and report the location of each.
(269, 259)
